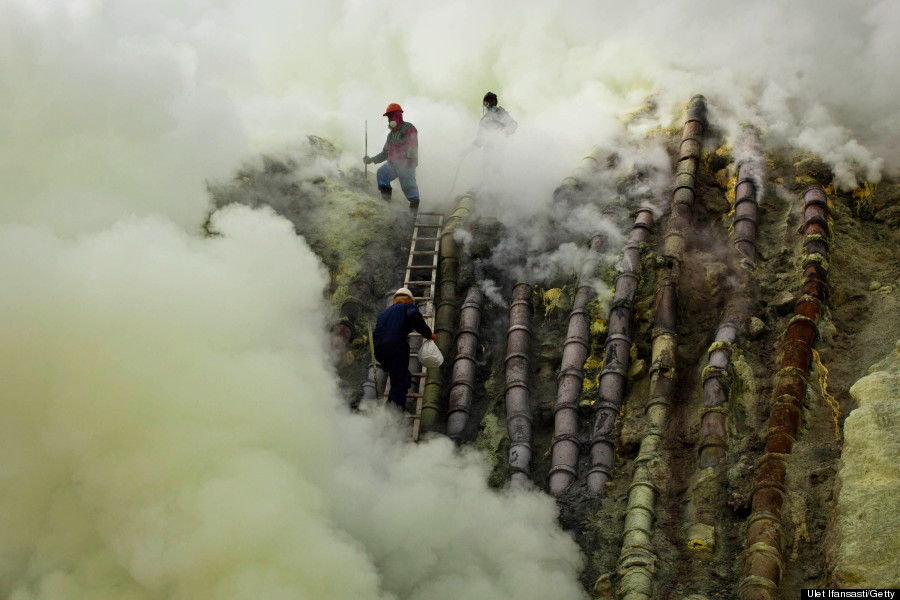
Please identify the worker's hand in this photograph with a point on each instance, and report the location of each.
(367, 160)
(434, 337)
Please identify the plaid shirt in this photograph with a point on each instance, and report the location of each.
(401, 147)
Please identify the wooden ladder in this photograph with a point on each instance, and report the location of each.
(421, 279)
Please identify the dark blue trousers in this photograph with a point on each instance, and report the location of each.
(394, 358)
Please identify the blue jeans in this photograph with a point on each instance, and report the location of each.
(407, 176)
(394, 358)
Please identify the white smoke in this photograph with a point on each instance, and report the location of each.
(171, 428)
(168, 425)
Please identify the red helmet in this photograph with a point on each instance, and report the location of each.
(392, 107)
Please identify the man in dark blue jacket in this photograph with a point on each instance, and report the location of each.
(391, 347)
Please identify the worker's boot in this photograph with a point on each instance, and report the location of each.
(413, 206)
(385, 193)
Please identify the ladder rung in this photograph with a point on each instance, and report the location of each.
(424, 252)
(427, 239)
(420, 267)
(414, 395)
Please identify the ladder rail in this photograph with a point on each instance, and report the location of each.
(422, 226)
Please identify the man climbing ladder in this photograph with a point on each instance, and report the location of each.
(418, 293)
(391, 345)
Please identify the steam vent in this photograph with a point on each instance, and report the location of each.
(707, 383)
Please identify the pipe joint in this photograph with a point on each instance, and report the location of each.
(459, 408)
(561, 468)
(684, 186)
(606, 405)
(812, 238)
(520, 415)
(467, 329)
(462, 383)
(719, 410)
(619, 369)
(620, 337)
(712, 440)
(579, 311)
(713, 372)
(659, 331)
(565, 437)
(804, 319)
(514, 328)
(754, 587)
(766, 517)
(657, 401)
(570, 372)
(605, 440)
(627, 303)
(514, 355)
(792, 372)
(605, 470)
(723, 345)
(465, 355)
(516, 383)
(816, 259)
(787, 402)
(769, 552)
(577, 340)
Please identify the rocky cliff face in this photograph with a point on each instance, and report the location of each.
(842, 500)
(865, 544)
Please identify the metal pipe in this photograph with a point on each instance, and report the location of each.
(716, 379)
(637, 559)
(589, 165)
(445, 313)
(614, 375)
(764, 563)
(745, 213)
(518, 407)
(375, 373)
(577, 346)
(462, 384)
(369, 391)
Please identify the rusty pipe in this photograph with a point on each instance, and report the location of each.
(745, 213)
(577, 346)
(637, 558)
(614, 375)
(462, 384)
(763, 563)
(445, 312)
(518, 407)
